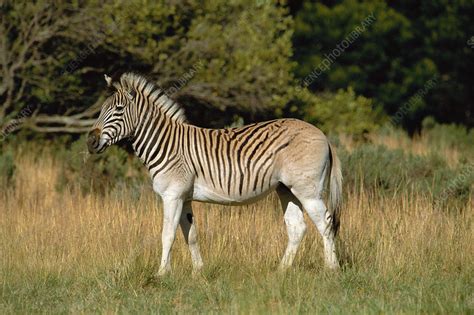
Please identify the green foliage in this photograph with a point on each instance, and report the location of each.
(319, 29)
(447, 136)
(40, 57)
(243, 68)
(443, 32)
(383, 170)
(394, 57)
(108, 172)
(226, 58)
(344, 112)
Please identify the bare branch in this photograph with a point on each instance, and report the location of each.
(27, 29)
(59, 129)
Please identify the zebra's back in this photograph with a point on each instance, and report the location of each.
(238, 165)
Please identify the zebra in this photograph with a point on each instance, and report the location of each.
(232, 166)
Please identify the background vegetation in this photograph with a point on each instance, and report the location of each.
(409, 43)
(405, 246)
(80, 233)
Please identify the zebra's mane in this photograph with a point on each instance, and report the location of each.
(154, 94)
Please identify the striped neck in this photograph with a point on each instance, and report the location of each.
(156, 141)
(159, 123)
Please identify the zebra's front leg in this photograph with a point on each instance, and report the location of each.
(295, 225)
(171, 215)
(188, 227)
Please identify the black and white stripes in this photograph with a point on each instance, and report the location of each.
(227, 166)
(237, 161)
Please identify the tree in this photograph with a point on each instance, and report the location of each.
(227, 59)
(408, 44)
(33, 47)
(223, 61)
(444, 31)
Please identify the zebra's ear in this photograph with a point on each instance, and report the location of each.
(108, 80)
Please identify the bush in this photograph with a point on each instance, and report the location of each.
(443, 136)
(344, 112)
(112, 170)
(383, 170)
(7, 167)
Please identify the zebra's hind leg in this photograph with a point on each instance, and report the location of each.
(190, 235)
(295, 225)
(321, 217)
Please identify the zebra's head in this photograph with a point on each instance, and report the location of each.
(117, 118)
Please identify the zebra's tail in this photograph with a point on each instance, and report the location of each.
(335, 189)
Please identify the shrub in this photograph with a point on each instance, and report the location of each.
(383, 170)
(102, 173)
(344, 112)
(7, 167)
(448, 135)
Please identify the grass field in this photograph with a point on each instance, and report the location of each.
(67, 252)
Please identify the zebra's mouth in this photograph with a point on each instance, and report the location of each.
(102, 146)
(95, 143)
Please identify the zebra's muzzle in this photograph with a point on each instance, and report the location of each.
(93, 141)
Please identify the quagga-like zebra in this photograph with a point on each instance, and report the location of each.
(225, 166)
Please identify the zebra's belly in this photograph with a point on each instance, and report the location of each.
(204, 193)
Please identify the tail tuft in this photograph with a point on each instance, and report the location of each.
(335, 189)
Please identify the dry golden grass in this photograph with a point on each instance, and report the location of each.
(64, 251)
